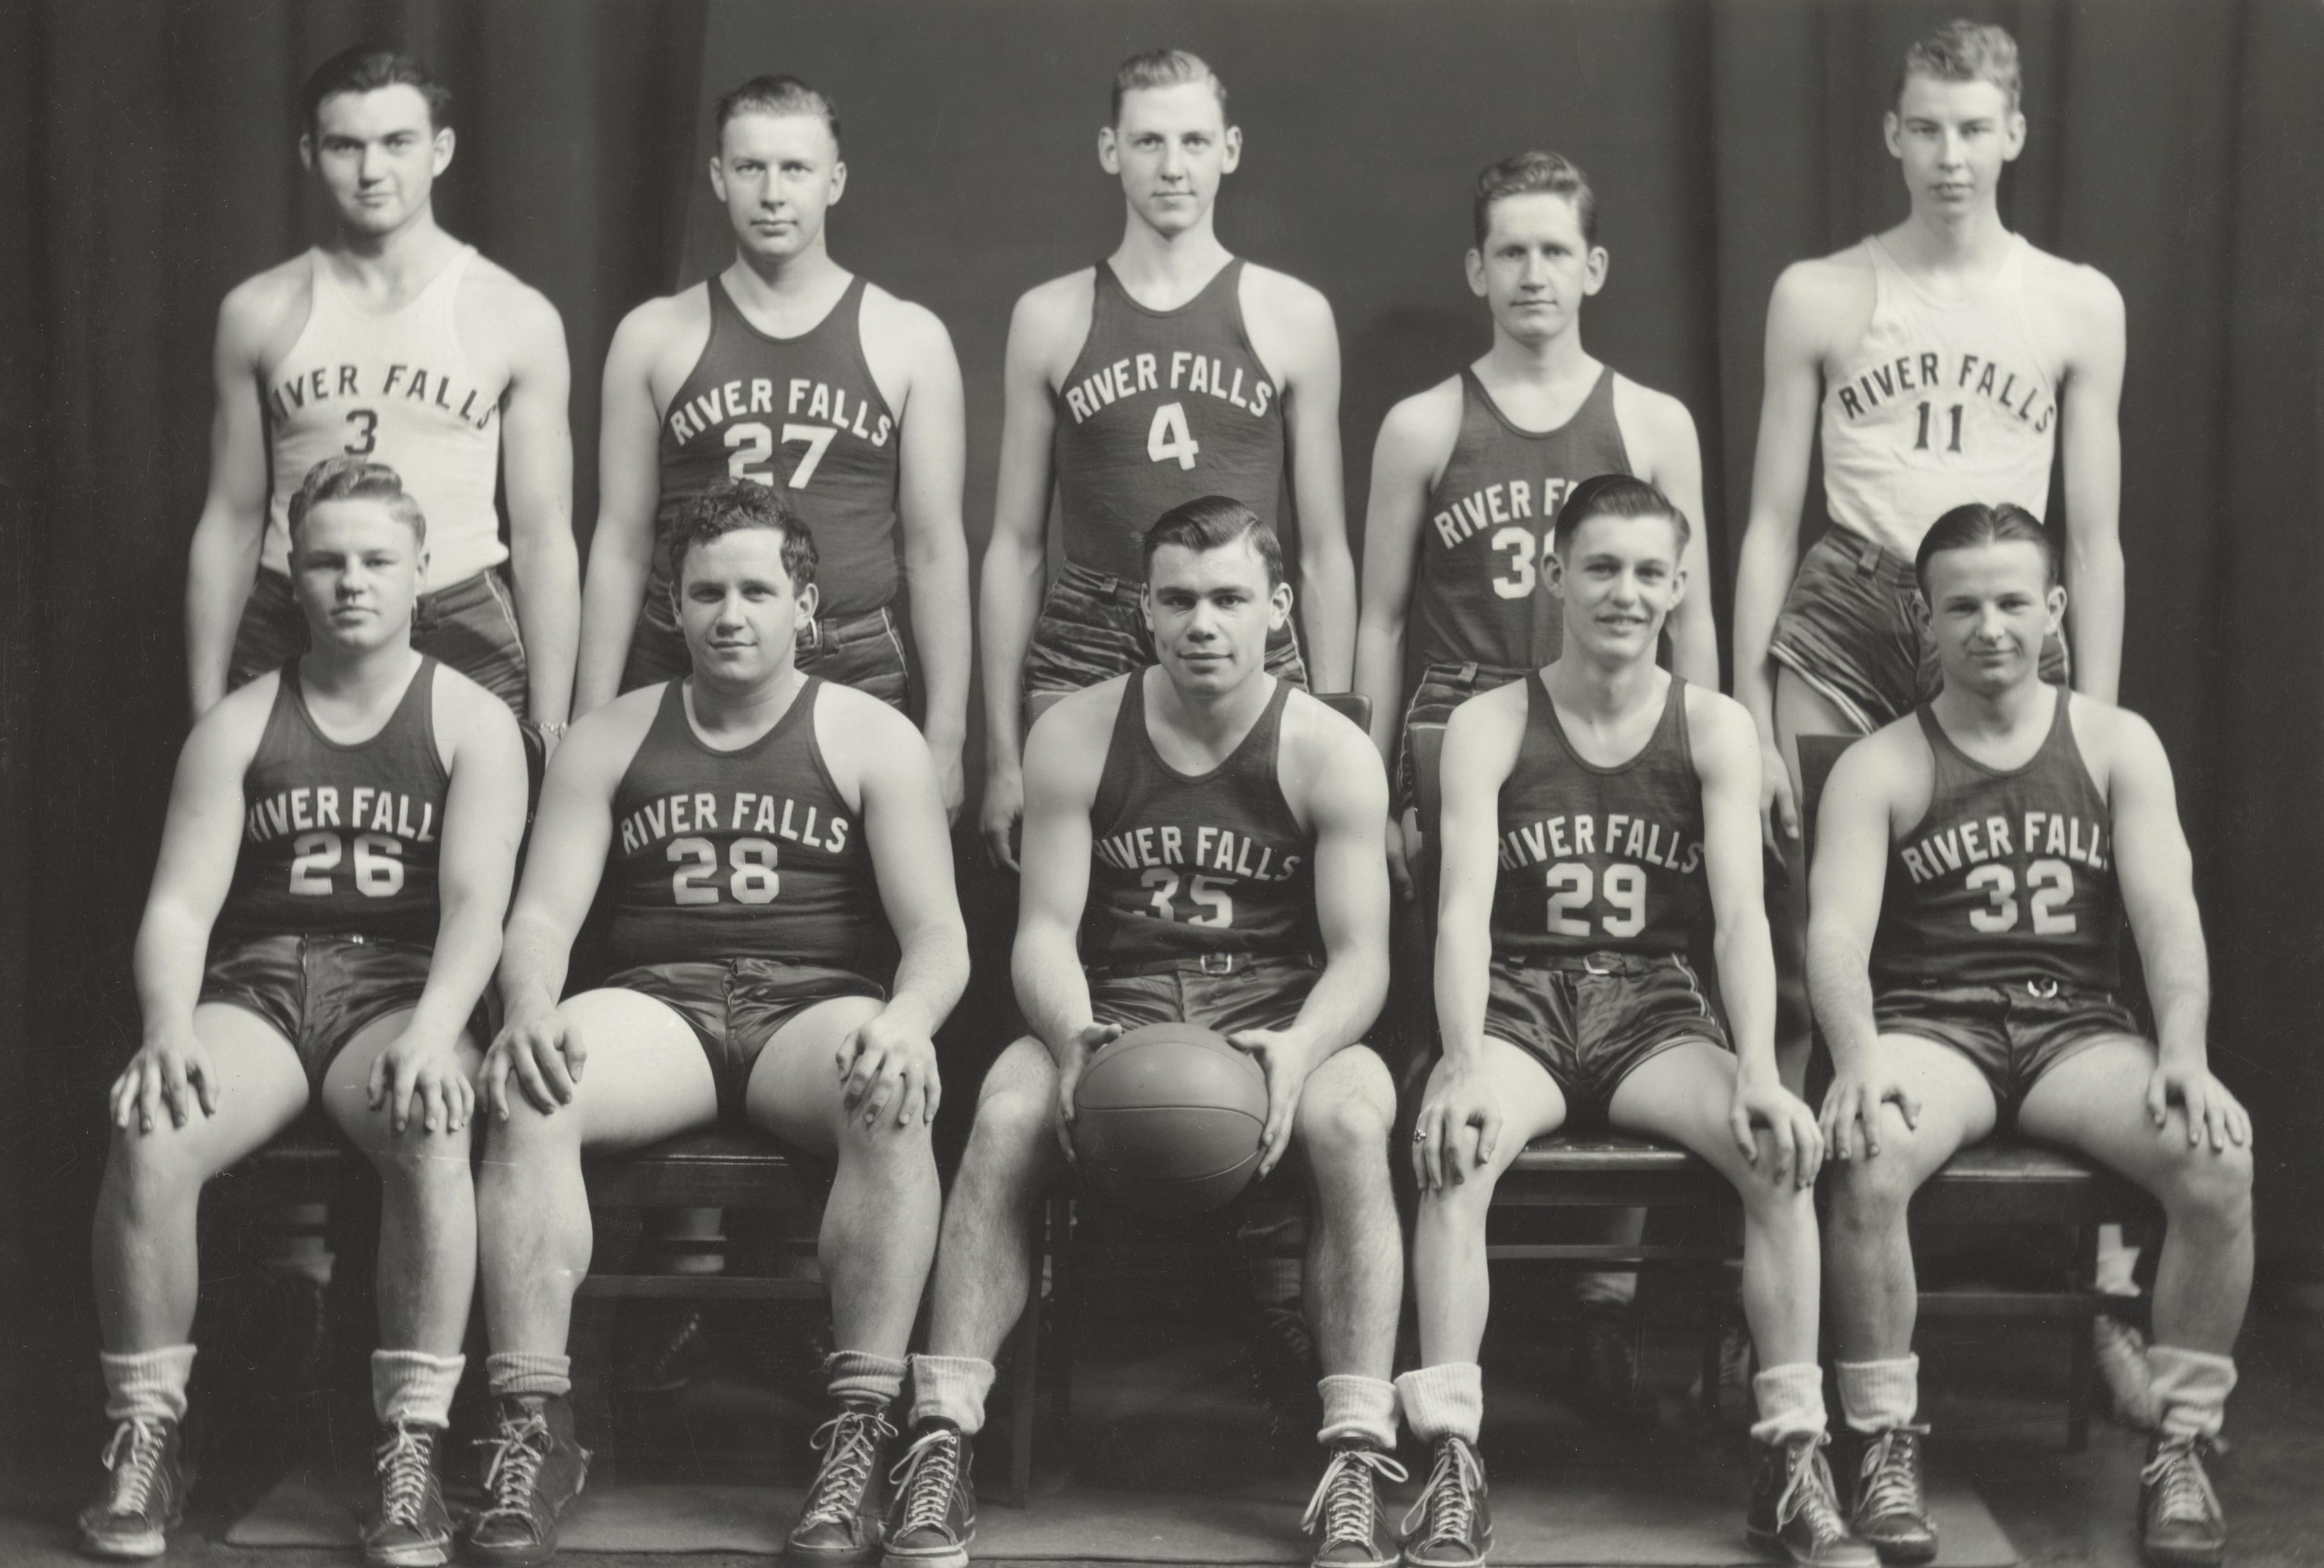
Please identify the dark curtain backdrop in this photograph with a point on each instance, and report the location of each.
(153, 165)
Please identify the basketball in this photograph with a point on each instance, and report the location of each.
(1168, 1119)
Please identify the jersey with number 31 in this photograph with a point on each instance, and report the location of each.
(799, 412)
(1599, 860)
(1160, 408)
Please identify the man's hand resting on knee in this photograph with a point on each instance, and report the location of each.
(889, 1059)
(543, 1052)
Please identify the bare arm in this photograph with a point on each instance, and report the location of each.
(537, 459)
(1348, 800)
(1727, 758)
(1060, 783)
(1848, 877)
(570, 835)
(484, 819)
(1675, 468)
(933, 462)
(1406, 460)
(911, 856)
(1481, 747)
(2157, 876)
(2091, 441)
(224, 560)
(1327, 571)
(629, 488)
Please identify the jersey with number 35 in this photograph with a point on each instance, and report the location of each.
(1160, 408)
(1480, 593)
(1599, 860)
(2008, 878)
(803, 413)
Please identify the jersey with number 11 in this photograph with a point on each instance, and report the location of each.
(1160, 408)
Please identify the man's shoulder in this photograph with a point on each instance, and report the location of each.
(651, 320)
(1091, 707)
(1283, 298)
(1819, 295)
(1430, 419)
(461, 703)
(2075, 294)
(2112, 737)
(608, 737)
(1501, 708)
(1057, 303)
(501, 298)
(1716, 719)
(266, 302)
(1330, 754)
(1657, 414)
(902, 324)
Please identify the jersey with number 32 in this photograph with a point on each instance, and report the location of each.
(799, 412)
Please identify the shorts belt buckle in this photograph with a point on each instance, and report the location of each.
(2042, 989)
(1596, 963)
(1224, 963)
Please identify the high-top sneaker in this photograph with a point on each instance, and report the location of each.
(932, 1514)
(1452, 1524)
(839, 1522)
(2181, 1522)
(1345, 1517)
(1892, 1508)
(1794, 1513)
(145, 1496)
(533, 1469)
(408, 1525)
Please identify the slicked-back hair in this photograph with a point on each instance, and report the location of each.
(1162, 67)
(365, 68)
(1962, 50)
(1210, 522)
(1527, 173)
(1616, 495)
(344, 478)
(779, 95)
(730, 506)
(1976, 524)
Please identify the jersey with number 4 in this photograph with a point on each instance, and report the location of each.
(1480, 596)
(2008, 878)
(1162, 406)
(1599, 860)
(747, 854)
(341, 840)
(799, 412)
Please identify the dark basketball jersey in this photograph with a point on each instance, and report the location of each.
(748, 853)
(1183, 865)
(1481, 596)
(1161, 407)
(1600, 860)
(2009, 877)
(802, 412)
(341, 840)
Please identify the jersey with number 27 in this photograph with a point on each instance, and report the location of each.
(1162, 406)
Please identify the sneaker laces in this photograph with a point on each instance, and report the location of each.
(133, 1455)
(850, 1444)
(402, 1459)
(1886, 1477)
(1449, 1499)
(510, 1474)
(2177, 1468)
(926, 1475)
(1346, 1499)
(1809, 1492)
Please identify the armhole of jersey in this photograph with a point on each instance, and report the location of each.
(713, 290)
(812, 695)
(1099, 273)
(1934, 737)
(432, 671)
(2074, 747)
(860, 288)
(1611, 379)
(1678, 699)
(1238, 271)
(316, 285)
(1103, 806)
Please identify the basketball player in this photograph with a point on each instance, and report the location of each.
(1976, 861)
(1466, 479)
(1198, 835)
(790, 370)
(340, 841)
(1597, 817)
(775, 841)
(1169, 370)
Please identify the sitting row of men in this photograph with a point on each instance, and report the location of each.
(1202, 842)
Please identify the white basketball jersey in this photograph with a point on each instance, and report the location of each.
(1942, 404)
(398, 389)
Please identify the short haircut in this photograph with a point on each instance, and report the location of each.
(730, 506)
(366, 68)
(344, 478)
(1962, 50)
(779, 95)
(1616, 495)
(1209, 523)
(1163, 67)
(1526, 173)
(1977, 524)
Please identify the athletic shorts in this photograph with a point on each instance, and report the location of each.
(1852, 629)
(1234, 992)
(865, 651)
(735, 1006)
(1093, 628)
(1443, 687)
(319, 992)
(1591, 1021)
(2013, 1033)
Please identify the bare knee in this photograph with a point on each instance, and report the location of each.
(145, 1164)
(885, 1141)
(1012, 1128)
(2201, 1185)
(1341, 1130)
(528, 1133)
(416, 1158)
(1872, 1192)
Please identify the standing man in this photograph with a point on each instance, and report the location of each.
(1169, 370)
(1202, 844)
(1976, 861)
(780, 879)
(324, 913)
(789, 370)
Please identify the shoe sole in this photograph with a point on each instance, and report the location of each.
(429, 1554)
(126, 1549)
(1773, 1546)
(1907, 1555)
(826, 1557)
(1409, 1560)
(2204, 1557)
(956, 1558)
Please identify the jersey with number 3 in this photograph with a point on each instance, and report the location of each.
(341, 840)
(1941, 402)
(1162, 406)
(1480, 594)
(2008, 878)
(1186, 865)
(1599, 860)
(747, 854)
(803, 413)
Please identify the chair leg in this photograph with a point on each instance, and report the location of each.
(1061, 1323)
(1025, 1353)
(1714, 1329)
(2081, 1371)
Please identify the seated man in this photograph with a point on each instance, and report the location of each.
(341, 837)
(1133, 789)
(1598, 817)
(767, 831)
(1974, 864)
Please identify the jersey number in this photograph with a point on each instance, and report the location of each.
(1517, 583)
(1169, 439)
(378, 868)
(752, 860)
(1953, 412)
(1204, 893)
(1571, 885)
(366, 437)
(755, 443)
(2050, 881)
